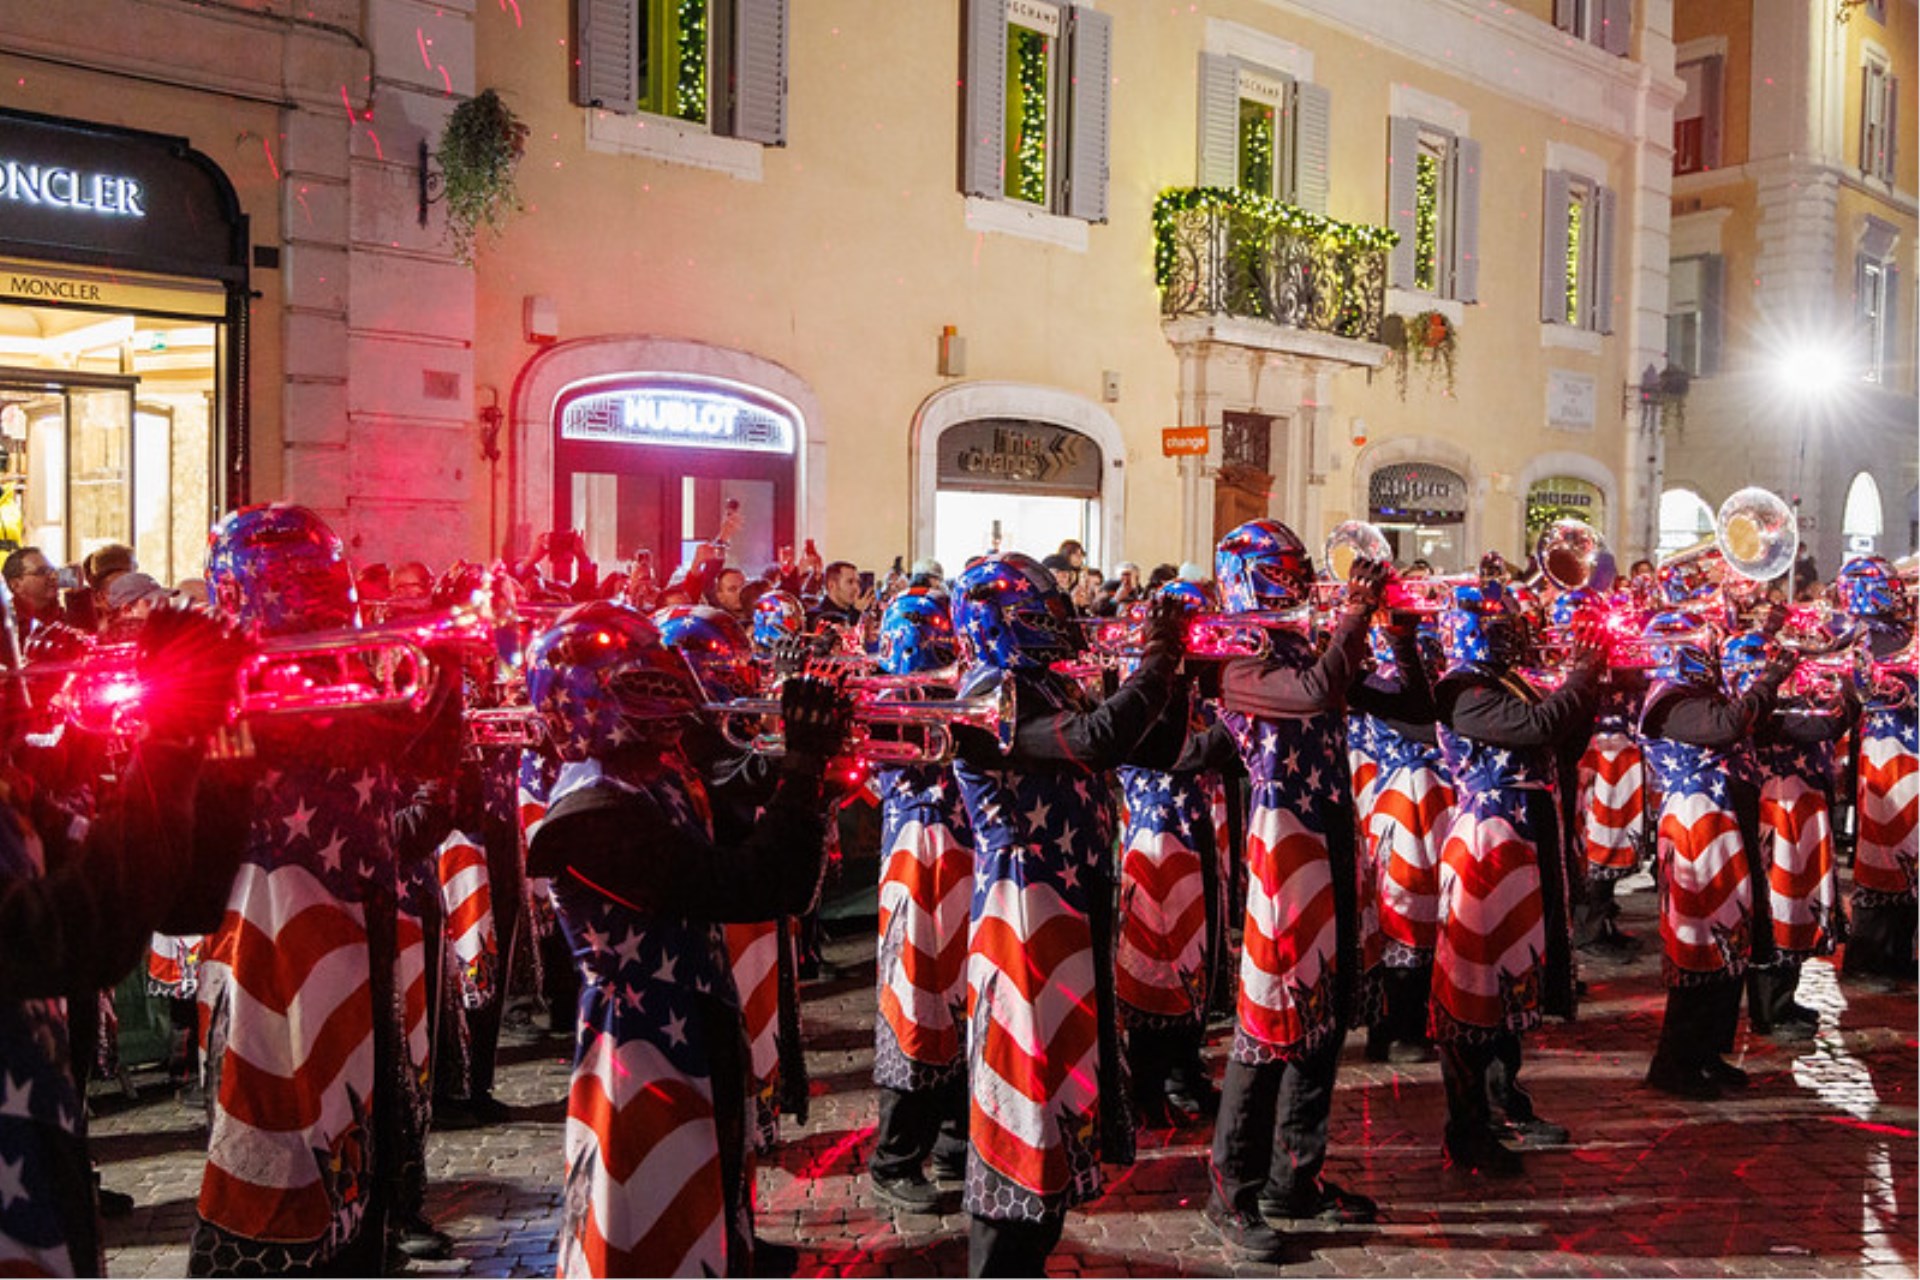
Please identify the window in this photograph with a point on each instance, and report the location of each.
(1685, 519)
(1879, 118)
(1263, 132)
(1607, 23)
(1576, 280)
(1035, 119)
(1694, 301)
(1696, 121)
(717, 65)
(1433, 201)
(1874, 301)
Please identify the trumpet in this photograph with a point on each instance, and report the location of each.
(1426, 595)
(1640, 653)
(516, 726)
(1213, 637)
(922, 732)
(1574, 557)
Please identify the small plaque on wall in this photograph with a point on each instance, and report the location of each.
(1570, 400)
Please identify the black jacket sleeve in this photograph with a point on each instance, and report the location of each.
(1269, 688)
(621, 846)
(1103, 738)
(1410, 701)
(1712, 719)
(1212, 751)
(1488, 713)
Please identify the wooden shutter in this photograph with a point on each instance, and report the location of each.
(606, 40)
(1090, 85)
(1565, 12)
(1465, 158)
(1219, 149)
(1312, 111)
(1889, 323)
(1616, 26)
(1890, 132)
(1553, 249)
(1712, 304)
(983, 121)
(1713, 76)
(759, 71)
(1601, 305)
(1403, 158)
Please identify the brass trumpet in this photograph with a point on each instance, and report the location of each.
(1212, 637)
(516, 726)
(925, 728)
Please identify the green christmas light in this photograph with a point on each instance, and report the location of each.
(1256, 148)
(1263, 216)
(1027, 115)
(690, 89)
(1426, 223)
(1575, 212)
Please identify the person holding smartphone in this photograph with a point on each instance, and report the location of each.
(847, 594)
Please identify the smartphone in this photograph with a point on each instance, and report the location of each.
(866, 581)
(733, 505)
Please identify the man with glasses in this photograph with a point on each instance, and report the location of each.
(33, 582)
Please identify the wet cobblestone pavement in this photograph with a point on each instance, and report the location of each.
(1812, 1172)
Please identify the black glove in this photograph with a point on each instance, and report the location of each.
(1164, 630)
(1779, 667)
(815, 717)
(189, 665)
(1773, 619)
(1589, 638)
(1366, 585)
(790, 654)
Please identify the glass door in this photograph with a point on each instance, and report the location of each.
(68, 484)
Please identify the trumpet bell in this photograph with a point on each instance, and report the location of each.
(1353, 540)
(1575, 557)
(1756, 531)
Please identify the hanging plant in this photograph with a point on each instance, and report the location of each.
(1428, 339)
(479, 150)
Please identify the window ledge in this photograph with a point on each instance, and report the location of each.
(1568, 338)
(1004, 217)
(1411, 302)
(659, 138)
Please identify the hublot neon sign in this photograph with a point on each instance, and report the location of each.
(104, 194)
(677, 416)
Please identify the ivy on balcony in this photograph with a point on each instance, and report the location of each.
(1224, 252)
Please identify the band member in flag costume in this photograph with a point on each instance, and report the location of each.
(1300, 963)
(1697, 741)
(1884, 916)
(926, 892)
(1504, 956)
(1048, 1101)
(158, 857)
(1794, 751)
(657, 1147)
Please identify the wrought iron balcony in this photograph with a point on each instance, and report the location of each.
(1227, 253)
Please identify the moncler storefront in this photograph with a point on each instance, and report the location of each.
(123, 343)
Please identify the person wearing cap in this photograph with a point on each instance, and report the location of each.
(129, 598)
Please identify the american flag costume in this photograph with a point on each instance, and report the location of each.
(1611, 800)
(1796, 840)
(467, 899)
(1164, 938)
(173, 965)
(926, 892)
(288, 1003)
(756, 953)
(1889, 843)
(1706, 892)
(1035, 1041)
(1402, 827)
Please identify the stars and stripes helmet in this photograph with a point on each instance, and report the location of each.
(1262, 565)
(917, 634)
(1194, 597)
(1868, 587)
(1681, 655)
(602, 679)
(777, 615)
(1569, 605)
(714, 645)
(1482, 628)
(278, 568)
(1013, 614)
(1742, 659)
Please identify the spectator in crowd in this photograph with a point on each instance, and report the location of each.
(1162, 574)
(104, 564)
(412, 585)
(374, 585)
(844, 599)
(34, 584)
(926, 572)
(128, 599)
(1192, 572)
(728, 585)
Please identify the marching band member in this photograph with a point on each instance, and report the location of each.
(658, 1176)
(926, 891)
(1042, 1045)
(1709, 836)
(1794, 751)
(1504, 956)
(1300, 962)
(1881, 949)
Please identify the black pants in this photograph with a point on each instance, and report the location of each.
(507, 884)
(1700, 1023)
(1011, 1246)
(1882, 941)
(916, 1124)
(1276, 1107)
(1404, 994)
(1159, 1056)
(1770, 993)
(1594, 918)
(1480, 1075)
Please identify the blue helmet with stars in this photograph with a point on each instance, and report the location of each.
(1682, 648)
(1482, 627)
(1013, 614)
(1742, 659)
(1868, 587)
(776, 616)
(1262, 565)
(603, 680)
(1189, 595)
(277, 568)
(917, 634)
(1569, 605)
(714, 645)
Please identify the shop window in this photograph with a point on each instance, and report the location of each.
(1697, 120)
(1605, 23)
(1879, 117)
(1860, 521)
(1263, 132)
(1685, 519)
(1563, 498)
(1014, 484)
(1035, 119)
(1433, 198)
(1695, 301)
(717, 65)
(1422, 509)
(1576, 279)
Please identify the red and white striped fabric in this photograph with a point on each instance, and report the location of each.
(287, 1158)
(470, 932)
(1035, 1044)
(1405, 829)
(1289, 942)
(173, 965)
(1889, 804)
(644, 1189)
(411, 979)
(1612, 804)
(1492, 936)
(1706, 899)
(1160, 962)
(1803, 892)
(926, 895)
(755, 952)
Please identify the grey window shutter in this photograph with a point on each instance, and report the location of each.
(1713, 299)
(1553, 249)
(1565, 12)
(606, 40)
(1890, 136)
(1890, 323)
(1866, 117)
(1312, 137)
(759, 71)
(1466, 220)
(1713, 74)
(1604, 204)
(1616, 26)
(1219, 121)
(983, 119)
(1403, 151)
(1090, 81)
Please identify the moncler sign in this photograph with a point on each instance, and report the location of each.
(101, 194)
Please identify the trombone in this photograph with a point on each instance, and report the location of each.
(1211, 636)
(921, 732)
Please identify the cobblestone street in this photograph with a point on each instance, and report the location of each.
(1811, 1172)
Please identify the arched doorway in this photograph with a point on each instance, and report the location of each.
(1685, 518)
(1860, 522)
